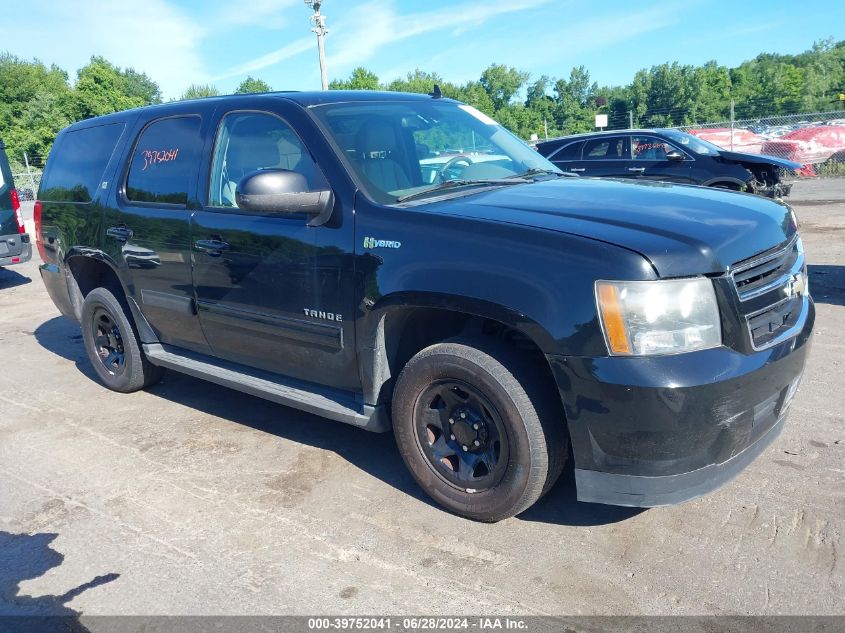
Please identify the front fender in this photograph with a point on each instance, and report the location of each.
(539, 282)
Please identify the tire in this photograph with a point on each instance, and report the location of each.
(112, 344)
(505, 451)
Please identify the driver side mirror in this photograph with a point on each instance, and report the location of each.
(674, 156)
(271, 191)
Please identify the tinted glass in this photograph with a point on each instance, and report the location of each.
(605, 149)
(407, 148)
(8, 224)
(569, 152)
(4, 167)
(164, 161)
(77, 163)
(252, 141)
(650, 148)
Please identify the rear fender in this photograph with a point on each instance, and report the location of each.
(77, 291)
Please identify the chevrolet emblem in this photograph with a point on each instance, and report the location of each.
(796, 286)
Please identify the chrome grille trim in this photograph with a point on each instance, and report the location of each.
(792, 330)
(783, 262)
(771, 273)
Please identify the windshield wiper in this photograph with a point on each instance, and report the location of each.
(456, 184)
(539, 171)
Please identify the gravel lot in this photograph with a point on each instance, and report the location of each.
(193, 499)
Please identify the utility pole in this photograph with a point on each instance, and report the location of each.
(630, 119)
(320, 29)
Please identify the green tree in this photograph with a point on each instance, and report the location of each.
(502, 83)
(198, 91)
(21, 83)
(139, 85)
(42, 118)
(102, 88)
(360, 79)
(575, 106)
(422, 83)
(250, 84)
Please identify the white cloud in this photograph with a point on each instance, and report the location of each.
(152, 36)
(361, 33)
(148, 35)
(280, 54)
(267, 13)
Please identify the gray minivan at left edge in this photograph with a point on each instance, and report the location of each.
(14, 240)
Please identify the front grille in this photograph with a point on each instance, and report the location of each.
(772, 291)
(767, 271)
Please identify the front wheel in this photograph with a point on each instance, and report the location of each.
(471, 434)
(112, 346)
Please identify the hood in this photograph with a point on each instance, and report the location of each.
(681, 230)
(759, 159)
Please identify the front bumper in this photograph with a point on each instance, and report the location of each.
(775, 191)
(662, 430)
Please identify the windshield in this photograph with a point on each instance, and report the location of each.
(402, 149)
(693, 143)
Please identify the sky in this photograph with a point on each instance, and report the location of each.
(180, 42)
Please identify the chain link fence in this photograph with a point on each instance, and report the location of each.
(815, 140)
(27, 178)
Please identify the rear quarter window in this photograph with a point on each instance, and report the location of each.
(572, 151)
(605, 148)
(164, 161)
(77, 163)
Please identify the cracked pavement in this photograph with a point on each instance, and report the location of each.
(189, 498)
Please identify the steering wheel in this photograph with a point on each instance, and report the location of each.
(457, 160)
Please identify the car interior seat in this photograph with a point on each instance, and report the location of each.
(251, 148)
(376, 145)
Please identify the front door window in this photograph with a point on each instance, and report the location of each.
(252, 141)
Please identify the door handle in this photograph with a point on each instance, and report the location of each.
(578, 169)
(214, 247)
(636, 170)
(120, 233)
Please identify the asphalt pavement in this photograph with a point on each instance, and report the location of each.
(189, 498)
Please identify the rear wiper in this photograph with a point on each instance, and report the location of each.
(539, 171)
(456, 184)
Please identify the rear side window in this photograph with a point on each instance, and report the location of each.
(164, 161)
(605, 149)
(568, 152)
(77, 163)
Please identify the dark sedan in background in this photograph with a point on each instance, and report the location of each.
(668, 156)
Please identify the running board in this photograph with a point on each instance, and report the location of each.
(303, 396)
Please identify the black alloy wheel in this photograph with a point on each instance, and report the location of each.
(462, 435)
(480, 427)
(108, 341)
(112, 345)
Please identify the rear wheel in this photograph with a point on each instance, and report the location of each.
(112, 345)
(477, 433)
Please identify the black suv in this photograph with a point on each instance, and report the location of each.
(295, 246)
(14, 240)
(668, 156)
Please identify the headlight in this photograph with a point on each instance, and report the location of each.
(643, 318)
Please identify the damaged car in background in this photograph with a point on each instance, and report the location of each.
(668, 156)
